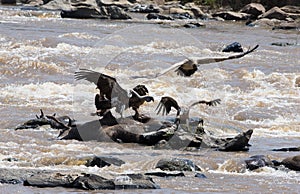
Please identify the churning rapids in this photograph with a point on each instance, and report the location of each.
(41, 51)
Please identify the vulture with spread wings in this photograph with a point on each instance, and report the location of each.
(188, 67)
(112, 94)
(166, 103)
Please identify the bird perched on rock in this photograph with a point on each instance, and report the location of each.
(188, 67)
(113, 95)
(166, 103)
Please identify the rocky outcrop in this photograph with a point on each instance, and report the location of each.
(253, 9)
(292, 163)
(275, 13)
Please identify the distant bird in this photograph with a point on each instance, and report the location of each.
(188, 67)
(112, 94)
(182, 115)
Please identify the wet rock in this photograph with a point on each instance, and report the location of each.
(179, 13)
(230, 15)
(165, 173)
(238, 143)
(292, 149)
(156, 16)
(177, 164)
(253, 9)
(18, 175)
(275, 13)
(134, 181)
(193, 25)
(102, 161)
(200, 175)
(292, 163)
(233, 47)
(47, 179)
(92, 182)
(258, 161)
(138, 8)
(83, 13)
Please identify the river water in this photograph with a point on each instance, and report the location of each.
(41, 51)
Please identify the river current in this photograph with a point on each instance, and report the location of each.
(39, 53)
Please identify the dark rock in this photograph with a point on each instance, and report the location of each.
(275, 13)
(177, 164)
(102, 161)
(229, 15)
(258, 161)
(200, 175)
(92, 182)
(156, 16)
(83, 13)
(238, 143)
(292, 149)
(292, 163)
(8, 2)
(193, 25)
(233, 47)
(182, 16)
(134, 181)
(117, 13)
(164, 173)
(254, 9)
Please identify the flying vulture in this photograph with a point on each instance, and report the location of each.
(112, 94)
(166, 103)
(188, 67)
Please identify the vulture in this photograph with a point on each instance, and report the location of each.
(166, 103)
(113, 95)
(188, 67)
